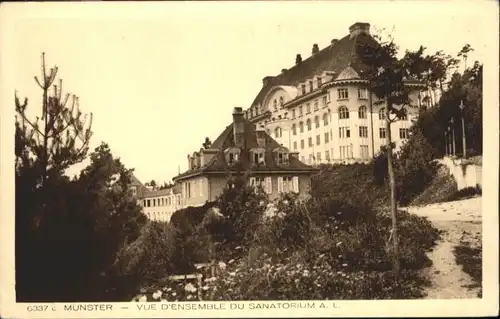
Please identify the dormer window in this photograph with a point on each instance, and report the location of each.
(275, 105)
(318, 80)
(232, 155)
(310, 86)
(281, 155)
(282, 101)
(303, 86)
(258, 157)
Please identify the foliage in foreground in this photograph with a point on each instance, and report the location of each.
(470, 258)
(313, 250)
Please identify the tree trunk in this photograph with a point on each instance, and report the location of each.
(371, 118)
(392, 183)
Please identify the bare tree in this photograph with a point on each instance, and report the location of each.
(57, 139)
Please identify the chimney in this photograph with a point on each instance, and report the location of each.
(334, 41)
(298, 59)
(315, 48)
(238, 127)
(266, 80)
(260, 133)
(190, 162)
(358, 28)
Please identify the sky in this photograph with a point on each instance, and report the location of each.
(160, 77)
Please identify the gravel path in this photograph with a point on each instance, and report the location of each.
(460, 221)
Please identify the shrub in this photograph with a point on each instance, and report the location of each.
(156, 254)
(300, 253)
(414, 167)
(465, 193)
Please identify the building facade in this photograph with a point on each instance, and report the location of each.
(322, 109)
(243, 147)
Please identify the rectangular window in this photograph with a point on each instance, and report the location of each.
(301, 110)
(327, 137)
(325, 101)
(363, 93)
(257, 181)
(327, 155)
(363, 150)
(381, 132)
(363, 131)
(403, 133)
(344, 132)
(302, 144)
(343, 94)
(316, 105)
(285, 184)
(318, 156)
(318, 139)
(293, 113)
(308, 108)
(310, 142)
(269, 185)
(294, 145)
(345, 152)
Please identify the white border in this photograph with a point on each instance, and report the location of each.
(12, 13)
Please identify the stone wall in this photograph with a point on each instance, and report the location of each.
(466, 172)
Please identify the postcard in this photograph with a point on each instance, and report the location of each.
(249, 159)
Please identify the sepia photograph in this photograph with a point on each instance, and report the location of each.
(248, 159)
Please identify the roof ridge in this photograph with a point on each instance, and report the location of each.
(330, 46)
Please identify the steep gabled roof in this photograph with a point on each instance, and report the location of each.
(334, 58)
(225, 140)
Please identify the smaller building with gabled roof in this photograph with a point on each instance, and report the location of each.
(242, 146)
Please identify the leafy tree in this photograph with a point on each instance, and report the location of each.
(387, 75)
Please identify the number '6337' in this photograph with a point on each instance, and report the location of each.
(37, 308)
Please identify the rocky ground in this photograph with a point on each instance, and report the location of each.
(461, 224)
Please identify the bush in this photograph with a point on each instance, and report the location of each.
(156, 254)
(414, 167)
(464, 193)
(315, 251)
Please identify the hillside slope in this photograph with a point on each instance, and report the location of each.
(440, 189)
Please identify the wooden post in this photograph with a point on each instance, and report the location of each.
(453, 136)
(446, 142)
(462, 107)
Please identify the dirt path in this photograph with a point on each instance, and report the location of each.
(460, 221)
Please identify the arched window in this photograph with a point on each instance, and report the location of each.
(301, 127)
(308, 123)
(281, 101)
(325, 119)
(278, 132)
(294, 129)
(343, 112)
(275, 104)
(362, 112)
(316, 121)
(381, 114)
